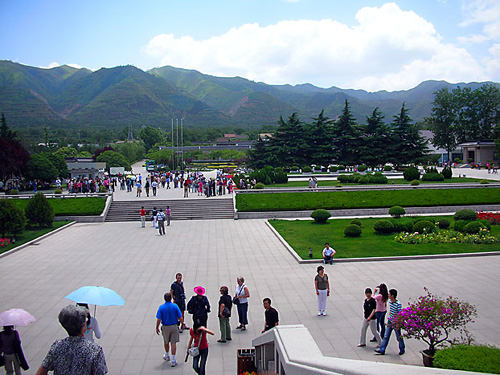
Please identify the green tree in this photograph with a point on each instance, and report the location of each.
(114, 159)
(346, 137)
(41, 168)
(84, 154)
(376, 137)
(12, 219)
(150, 136)
(5, 132)
(133, 151)
(66, 152)
(259, 155)
(407, 143)
(13, 156)
(39, 211)
(443, 121)
(58, 161)
(320, 139)
(288, 146)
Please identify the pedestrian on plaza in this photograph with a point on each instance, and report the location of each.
(160, 218)
(169, 315)
(241, 302)
(142, 212)
(322, 286)
(139, 189)
(198, 306)
(199, 338)
(146, 186)
(328, 254)
(186, 188)
(154, 186)
(271, 315)
(381, 296)
(154, 216)
(369, 309)
(62, 358)
(225, 305)
(92, 324)
(394, 308)
(10, 348)
(168, 215)
(179, 296)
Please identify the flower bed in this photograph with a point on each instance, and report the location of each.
(492, 217)
(446, 236)
(4, 242)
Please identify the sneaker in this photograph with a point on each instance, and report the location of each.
(243, 328)
(174, 363)
(373, 340)
(324, 313)
(166, 357)
(401, 353)
(320, 313)
(361, 345)
(379, 352)
(239, 327)
(229, 339)
(221, 341)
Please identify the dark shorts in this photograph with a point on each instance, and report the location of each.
(182, 305)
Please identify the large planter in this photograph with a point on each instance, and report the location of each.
(427, 358)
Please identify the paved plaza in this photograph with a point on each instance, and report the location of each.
(140, 266)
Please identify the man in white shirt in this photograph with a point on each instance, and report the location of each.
(328, 254)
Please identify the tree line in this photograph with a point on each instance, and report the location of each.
(325, 141)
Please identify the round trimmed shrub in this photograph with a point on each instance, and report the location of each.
(320, 216)
(411, 173)
(402, 225)
(12, 219)
(259, 185)
(424, 226)
(465, 214)
(364, 180)
(459, 225)
(58, 191)
(39, 211)
(334, 169)
(306, 169)
(352, 230)
(387, 168)
(378, 178)
(484, 182)
(443, 223)
(447, 172)
(397, 211)
(294, 168)
(383, 227)
(486, 223)
(415, 183)
(362, 168)
(432, 177)
(356, 222)
(341, 167)
(474, 227)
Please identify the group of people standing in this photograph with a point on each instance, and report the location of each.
(158, 217)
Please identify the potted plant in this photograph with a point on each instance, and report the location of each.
(432, 319)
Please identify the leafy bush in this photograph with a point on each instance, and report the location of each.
(484, 182)
(12, 219)
(465, 214)
(470, 358)
(341, 167)
(294, 168)
(443, 223)
(58, 191)
(397, 211)
(334, 169)
(424, 226)
(259, 185)
(415, 182)
(280, 176)
(486, 223)
(39, 211)
(362, 168)
(387, 168)
(320, 216)
(14, 192)
(102, 189)
(447, 172)
(356, 222)
(459, 225)
(352, 230)
(364, 180)
(432, 177)
(383, 226)
(416, 219)
(377, 178)
(402, 225)
(474, 227)
(306, 169)
(411, 173)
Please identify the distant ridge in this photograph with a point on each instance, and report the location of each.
(115, 97)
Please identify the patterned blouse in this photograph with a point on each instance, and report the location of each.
(75, 355)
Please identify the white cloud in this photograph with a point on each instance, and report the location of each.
(476, 38)
(493, 62)
(388, 49)
(486, 12)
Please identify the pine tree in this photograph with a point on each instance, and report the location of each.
(376, 137)
(288, 146)
(407, 143)
(319, 140)
(346, 137)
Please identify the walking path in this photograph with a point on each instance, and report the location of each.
(140, 266)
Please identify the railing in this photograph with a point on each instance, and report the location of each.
(62, 196)
(291, 350)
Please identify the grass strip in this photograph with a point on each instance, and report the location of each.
(365, 199)
(303, 235)
(32, 233)
(88, 206)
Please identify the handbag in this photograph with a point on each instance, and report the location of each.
(225, 312)
(236, 301)
(194, 351)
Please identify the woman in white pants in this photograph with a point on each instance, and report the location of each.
(322, 289)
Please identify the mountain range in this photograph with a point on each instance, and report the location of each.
(71, 98)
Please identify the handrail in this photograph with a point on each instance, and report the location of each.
(62, 196)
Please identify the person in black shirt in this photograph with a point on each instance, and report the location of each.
(179, 296)
(199, 306)
(225, 305)
(271, 314)
(369, 307)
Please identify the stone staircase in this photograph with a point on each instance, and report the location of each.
(182, 209)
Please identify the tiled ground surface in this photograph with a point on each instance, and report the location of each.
(140, 266)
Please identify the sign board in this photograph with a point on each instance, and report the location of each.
(116, 170)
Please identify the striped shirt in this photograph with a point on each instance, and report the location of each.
(394, 308)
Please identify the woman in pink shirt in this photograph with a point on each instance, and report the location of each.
(381, 296)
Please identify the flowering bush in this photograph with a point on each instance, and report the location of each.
(4, 242)
(446, 236)
(432, 319)
(492, 217)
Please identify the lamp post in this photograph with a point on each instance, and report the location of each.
(310, 253)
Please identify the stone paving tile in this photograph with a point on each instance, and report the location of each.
(140, 265)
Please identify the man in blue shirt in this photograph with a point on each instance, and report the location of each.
(168, 315)
(394, 308)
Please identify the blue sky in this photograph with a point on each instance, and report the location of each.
(367, 44)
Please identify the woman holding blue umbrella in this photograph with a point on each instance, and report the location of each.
(92, 324)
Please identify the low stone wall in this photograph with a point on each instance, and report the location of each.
(89, 219)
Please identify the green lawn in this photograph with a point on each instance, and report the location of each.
(396, 181)
(71, 206)
(32, 233)
(365, 199)
(302, 235)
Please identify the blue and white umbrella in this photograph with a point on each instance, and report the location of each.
(96, 295)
